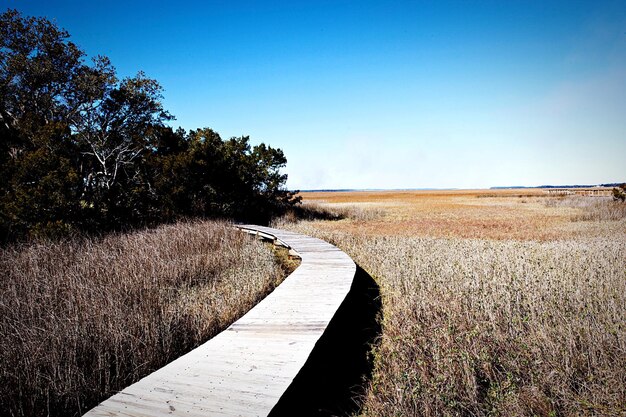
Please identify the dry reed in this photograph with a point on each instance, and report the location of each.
(84, 318)
(591, 208)
(496, 327)
(314, 210)
(486, 214)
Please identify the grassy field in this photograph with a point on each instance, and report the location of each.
(490, 214)
(494, 302)
(83, 318)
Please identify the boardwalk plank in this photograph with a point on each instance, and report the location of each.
(245, 370)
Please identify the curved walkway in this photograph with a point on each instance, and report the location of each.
(245, 370)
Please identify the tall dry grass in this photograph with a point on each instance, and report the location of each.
(590, 208)
(314, 210)
(495, 327)
(84, 318)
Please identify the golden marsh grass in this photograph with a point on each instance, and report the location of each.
(528, 214)
(493, 303)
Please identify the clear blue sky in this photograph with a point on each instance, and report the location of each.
(363, 94)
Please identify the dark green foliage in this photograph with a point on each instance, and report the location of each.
(198, 174)
(82, 150)
(619, 193)
(42, 188)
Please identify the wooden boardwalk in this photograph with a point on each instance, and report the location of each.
(245, 370)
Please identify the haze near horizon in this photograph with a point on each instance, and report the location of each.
(378, 95)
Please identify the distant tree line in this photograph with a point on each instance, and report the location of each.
(83, 150)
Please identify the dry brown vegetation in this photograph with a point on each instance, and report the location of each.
(488, 214)
(504, 305)
(591, 209)
(314, 210)
(83, 318)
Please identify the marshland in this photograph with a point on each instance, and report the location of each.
(84, 317)
(119, 204)
(494, 302)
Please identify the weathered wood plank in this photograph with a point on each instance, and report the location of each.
(245, 370)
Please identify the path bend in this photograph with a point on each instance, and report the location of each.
(246, 369)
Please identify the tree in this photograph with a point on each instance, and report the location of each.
(42, 188)
(83, 150)
(38, 66)
(114, 130)
(46, 86)
(199, 174)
